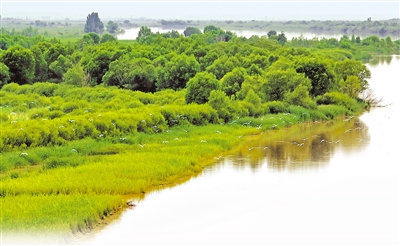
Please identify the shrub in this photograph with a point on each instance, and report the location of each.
(338, 98)
(276, 107)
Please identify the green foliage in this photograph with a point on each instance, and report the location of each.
(4, 74)
(134, 74)
(191, 30)
(60, 66)
(200, 86)
(221, 102)
(340, 99)
(232, 81)
(279, 82)
(300, 96)
(321, 76)
(351, 86)
(74, 76)
(276, 107)
(41, 66)
(145, 35)
(347, 68)
(21, 64)
(107, 38)
(177, 72)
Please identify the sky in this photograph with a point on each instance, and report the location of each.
(202, 10)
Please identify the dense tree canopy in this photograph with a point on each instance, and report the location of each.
(21, 64)
(130, 73)
(200, 86)
(237, 76)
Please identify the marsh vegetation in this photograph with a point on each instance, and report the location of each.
(115, 119)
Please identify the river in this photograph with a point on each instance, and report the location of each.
(334, 183)
(133, 32)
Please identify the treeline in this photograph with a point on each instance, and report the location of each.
(232, 76)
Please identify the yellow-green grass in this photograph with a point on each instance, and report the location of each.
(78, 197)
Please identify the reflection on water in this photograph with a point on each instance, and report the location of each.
(382, 60)
(309, 145)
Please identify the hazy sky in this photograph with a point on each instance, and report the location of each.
(201, 10)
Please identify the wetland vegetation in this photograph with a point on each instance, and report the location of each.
(86, 123)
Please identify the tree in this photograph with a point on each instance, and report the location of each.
(300, 96)
(271, 33)
(96, 60)
(200, 86)
(281, 38)
(211, 28)
(321, 76)
(347, 68)
(41, 67)
(4, 74)
(279, 82)
(93, 24)
(177, 72)
(221, 102)
(60, 66)
(232, 81)
(190, 31)
(94, 36)
(21, 64)
(112, 27)
(74, 76)
(144, 35)
(129, 73)
(351, 86)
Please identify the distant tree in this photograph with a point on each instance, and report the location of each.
(112, 27)
(282, 38)
(21, 64)
(200, 86)
(144, 35)
(191, 30)
(271, 33)
(93, 24)
(211, 28)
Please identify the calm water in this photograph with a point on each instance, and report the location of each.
(315, 184)
(132, 33)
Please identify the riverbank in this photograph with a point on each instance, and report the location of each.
(79, 196)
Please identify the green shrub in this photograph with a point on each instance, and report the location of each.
(338, 98)
(276, 107)
(56, 114)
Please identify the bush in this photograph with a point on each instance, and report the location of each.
(338, 98)
(276, 107)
